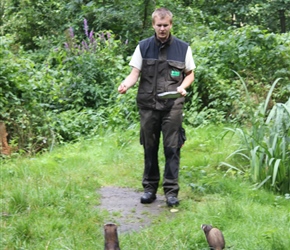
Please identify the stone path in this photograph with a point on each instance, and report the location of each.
(125, 209)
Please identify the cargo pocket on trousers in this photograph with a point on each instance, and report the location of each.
(141, 137)
(182, 137)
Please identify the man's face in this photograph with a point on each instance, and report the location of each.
(162, 27)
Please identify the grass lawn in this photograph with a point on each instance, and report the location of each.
(48, 201)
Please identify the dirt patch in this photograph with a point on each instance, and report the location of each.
(125, 209)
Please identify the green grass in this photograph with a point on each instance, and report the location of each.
(49, 201)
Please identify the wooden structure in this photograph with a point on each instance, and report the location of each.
(5, 149)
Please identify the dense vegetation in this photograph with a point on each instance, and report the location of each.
(61, 62)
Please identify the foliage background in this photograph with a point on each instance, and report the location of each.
(61, 63)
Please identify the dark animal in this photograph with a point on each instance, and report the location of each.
(214, 237)
(111, 237)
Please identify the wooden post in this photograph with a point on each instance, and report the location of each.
(5, 149)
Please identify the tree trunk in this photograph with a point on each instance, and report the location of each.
(282, 21)
(146, 6)
(4, 147)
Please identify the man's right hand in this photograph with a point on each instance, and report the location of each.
(122, 89)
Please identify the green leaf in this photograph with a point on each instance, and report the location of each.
(275, 171)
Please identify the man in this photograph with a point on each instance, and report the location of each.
(166, 64)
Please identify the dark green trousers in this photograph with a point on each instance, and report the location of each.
(153, 124)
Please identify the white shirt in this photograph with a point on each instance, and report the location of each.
(136, 60)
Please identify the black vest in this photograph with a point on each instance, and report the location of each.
(162, 70)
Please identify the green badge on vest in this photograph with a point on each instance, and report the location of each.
(175, 73)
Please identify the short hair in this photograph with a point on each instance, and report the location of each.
(162, 13)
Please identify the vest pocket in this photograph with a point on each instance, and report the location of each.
(146, 84)
(145, 100)
(175, 70)
(148, 67)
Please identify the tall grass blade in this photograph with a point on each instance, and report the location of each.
(275, 171)
(244, 85)
(269, 95)
(255, 163)
(272, 144)
(271, 161)
(238, 152)
(271, 115)
(286, 107)
(231, 166)
(263, 182)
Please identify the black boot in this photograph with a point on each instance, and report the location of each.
(148, 198)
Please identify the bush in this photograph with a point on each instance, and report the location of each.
(21, 104)
(72, 93)
(258, 56)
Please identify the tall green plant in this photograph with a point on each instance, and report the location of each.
(266, 144)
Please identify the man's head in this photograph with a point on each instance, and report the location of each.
(162, 23)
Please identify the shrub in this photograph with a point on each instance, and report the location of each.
(21, 104)
(258, 56)
(72, 93)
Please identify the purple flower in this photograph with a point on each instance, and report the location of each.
(86, 27)
(85, 45)
(92, 40)
(66, 45)
(126, 42)
(102, 36)
(108, 35)
(91, 37)
(91, 34)
(71, 32)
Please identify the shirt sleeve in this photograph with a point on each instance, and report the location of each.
(189, 62)
(136, 60)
